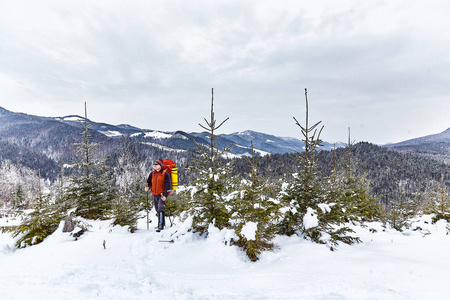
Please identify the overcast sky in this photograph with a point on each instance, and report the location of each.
(381, 68)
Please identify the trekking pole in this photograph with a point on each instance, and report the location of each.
(147, 207)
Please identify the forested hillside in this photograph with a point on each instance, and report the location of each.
(385, 168)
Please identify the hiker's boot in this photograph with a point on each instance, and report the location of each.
(160, 221)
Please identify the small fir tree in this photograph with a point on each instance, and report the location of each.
(62, 199)
(207, 202)
(350, 193)
(92, 188)
(438, 202)
(305, 190)
(418, 201)
(130, 178)
(309, 208)
(252, 206)
(398, 213)
(20, 196)
(176, 205)
(40, 223)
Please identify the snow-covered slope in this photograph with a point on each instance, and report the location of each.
(387, 265)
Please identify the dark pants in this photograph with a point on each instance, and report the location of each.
(159, 203)
(159, 207)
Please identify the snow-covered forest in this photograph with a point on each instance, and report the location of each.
(300, 234)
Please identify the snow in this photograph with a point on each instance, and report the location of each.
(157, 135)
(310, 219)
(111, 133)
(249, 230)
(324, 207)
(71, 118)
(387, 265)
(229, 155)
(180, 136)
(153, 134)
(165, 148)
(261, 152)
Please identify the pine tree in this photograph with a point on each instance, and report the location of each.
(61, 197)
(252, 207)
(40, 223)
(350, 193)
(418, 201)
(398, 213)
(310, 209)
(306, 190)
(175, 206)
(130, 178)
(438, 202)
(92, 189)
(207, 202)
(20, 196)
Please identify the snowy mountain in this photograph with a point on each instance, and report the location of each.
(271, 143)
(263, 143)
(18, 126)
(430, 144)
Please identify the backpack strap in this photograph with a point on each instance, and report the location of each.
(164, 178)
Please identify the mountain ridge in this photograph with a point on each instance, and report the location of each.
(263, 143)
(183, 140)
(438, 143)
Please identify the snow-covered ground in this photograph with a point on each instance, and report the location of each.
(387, 265)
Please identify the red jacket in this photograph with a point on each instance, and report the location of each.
(159, 183)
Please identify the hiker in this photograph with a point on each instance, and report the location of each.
(159, 184)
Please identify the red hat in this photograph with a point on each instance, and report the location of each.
(159, 162)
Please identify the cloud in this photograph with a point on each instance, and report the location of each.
(367, 65)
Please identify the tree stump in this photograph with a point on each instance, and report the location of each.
(69, 226)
